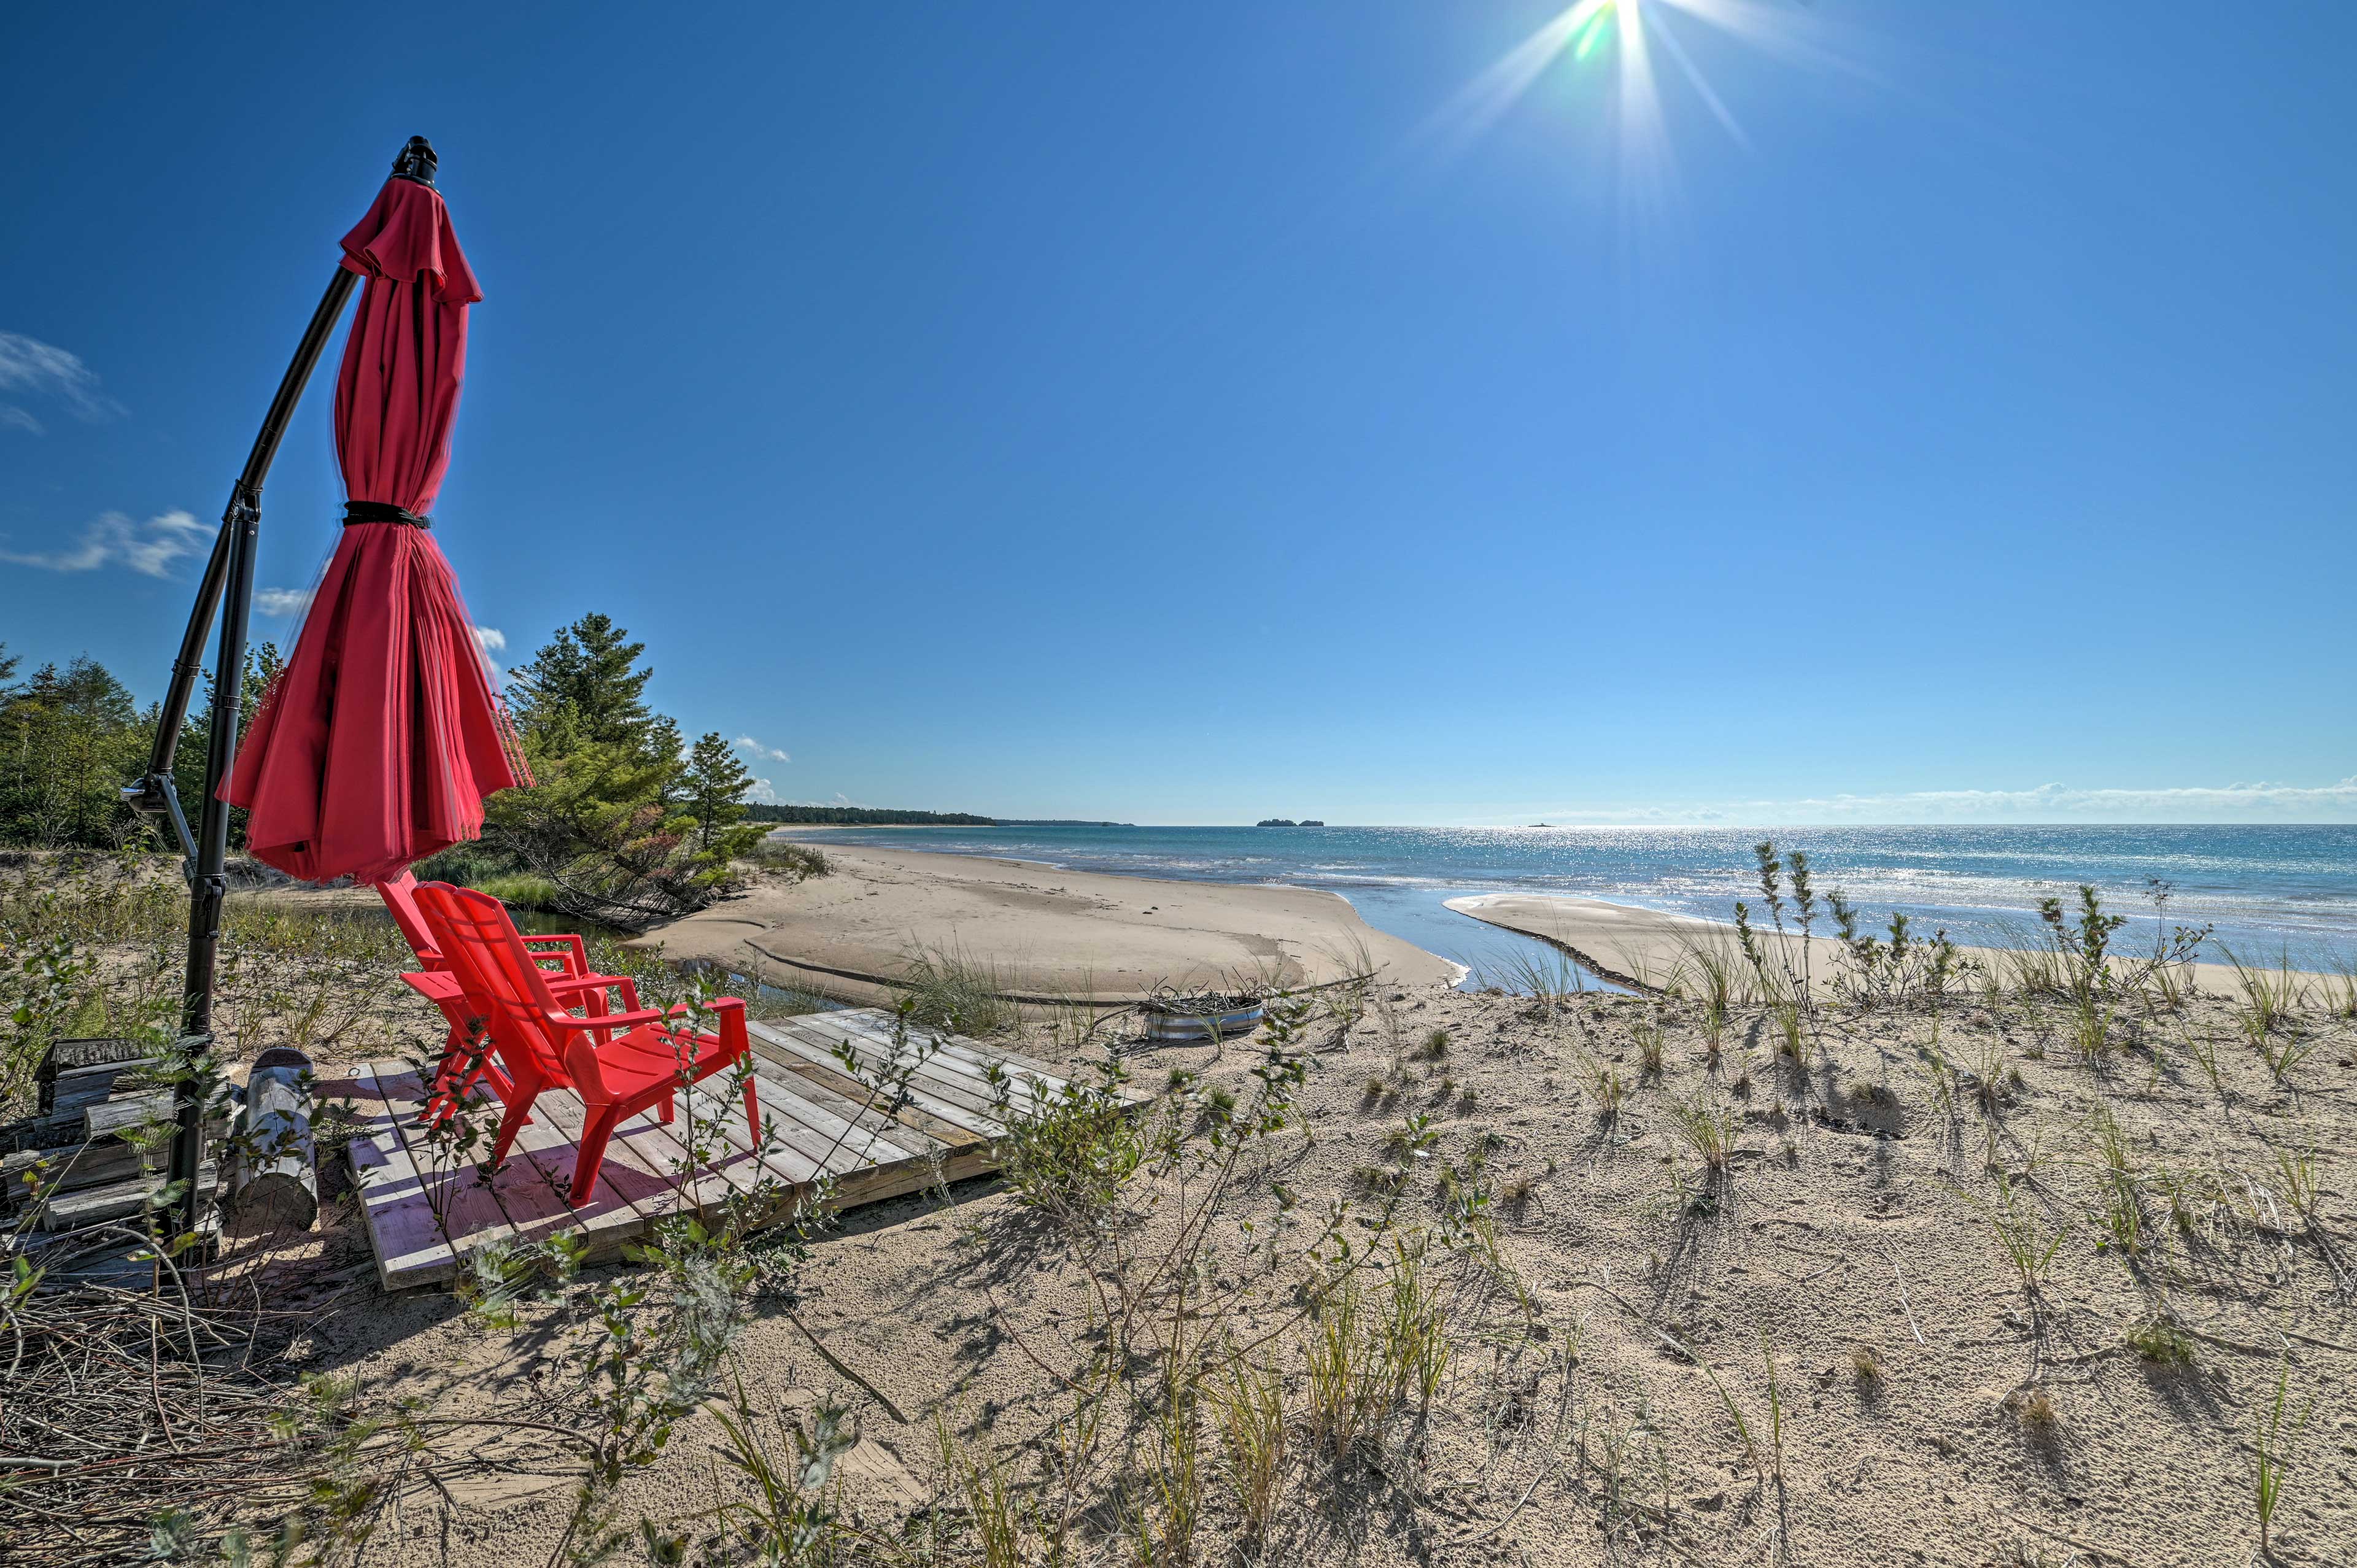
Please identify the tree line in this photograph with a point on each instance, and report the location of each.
(867, 816)
(625, 822)
(71, 739)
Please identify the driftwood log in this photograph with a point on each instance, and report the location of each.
(274, 1185)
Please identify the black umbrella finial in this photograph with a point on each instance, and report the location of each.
(416, 161)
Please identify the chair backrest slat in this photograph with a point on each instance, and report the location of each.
(399, 896)
(483, 948)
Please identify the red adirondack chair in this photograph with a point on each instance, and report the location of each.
(434, 980)
(543, 1045)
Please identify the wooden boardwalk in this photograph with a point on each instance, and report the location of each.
(817, 1118)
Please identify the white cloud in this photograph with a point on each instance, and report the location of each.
(489, 639)
(43, 370)
(111, 538)
(761, 792)
(766, 752)
(2232, 803)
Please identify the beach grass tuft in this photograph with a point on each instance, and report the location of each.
(949, 989)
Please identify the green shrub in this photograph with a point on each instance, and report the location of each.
(1069, 1157)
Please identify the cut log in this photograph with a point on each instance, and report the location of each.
(274, 1185)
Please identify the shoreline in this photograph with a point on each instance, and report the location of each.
(1040, 931)
(2282, 890)
(1645, 945)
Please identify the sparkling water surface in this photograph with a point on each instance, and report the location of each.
(2269, 891)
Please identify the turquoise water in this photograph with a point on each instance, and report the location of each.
(2267, 890)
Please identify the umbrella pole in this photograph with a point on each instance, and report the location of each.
(228, 584)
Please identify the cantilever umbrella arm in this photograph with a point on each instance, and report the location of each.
(227, 587)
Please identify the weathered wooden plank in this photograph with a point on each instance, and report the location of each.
(118, 1200)
(66, 1060)
(919, 1132)
(118, 1117)
(879, 1021)
(73, 1167)
(960, 1108)
(857, 1135)
(76, 1089)
(969, 1057)
(725, 1116)
(940, 1082)
(410, 1246)
(845, 1100)
(533, 1187)
(789, 1126)
(472, 1214)
(817, 1116)
(854, 1102)
(628, 1196)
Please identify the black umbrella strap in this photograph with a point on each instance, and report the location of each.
(382, 511)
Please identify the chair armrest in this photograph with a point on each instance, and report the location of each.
(589, 991)
(575, 956)
(606, 1020)
(711, 1004)
(731, 1012)
(563, 983)
(433, 984)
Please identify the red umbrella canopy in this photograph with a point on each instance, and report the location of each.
(379, 741)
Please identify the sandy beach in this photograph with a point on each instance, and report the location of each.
(1047, 932)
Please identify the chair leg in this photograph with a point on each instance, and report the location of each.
(442, 1095)
(752, 1111)
(670, 1105)
(512, 1123)
(592, 1157)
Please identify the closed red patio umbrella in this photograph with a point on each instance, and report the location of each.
(377, 744)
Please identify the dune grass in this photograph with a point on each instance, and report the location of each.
(947, 988)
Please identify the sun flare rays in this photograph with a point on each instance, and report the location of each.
(1575, 44)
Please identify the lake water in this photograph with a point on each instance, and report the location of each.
(2268, 890)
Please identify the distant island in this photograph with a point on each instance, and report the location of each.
(1289, 822)
(866, 817)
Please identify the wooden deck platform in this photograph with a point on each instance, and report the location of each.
(825, 1120)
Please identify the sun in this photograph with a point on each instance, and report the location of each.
(1591, 38)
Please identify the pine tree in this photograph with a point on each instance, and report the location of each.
(712, 788)
(584, 688)
(627, 824)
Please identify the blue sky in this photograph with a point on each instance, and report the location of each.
(1187, 413)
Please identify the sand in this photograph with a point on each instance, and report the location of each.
(1047, 932)
(1851, 1230)
(1931, 1408)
